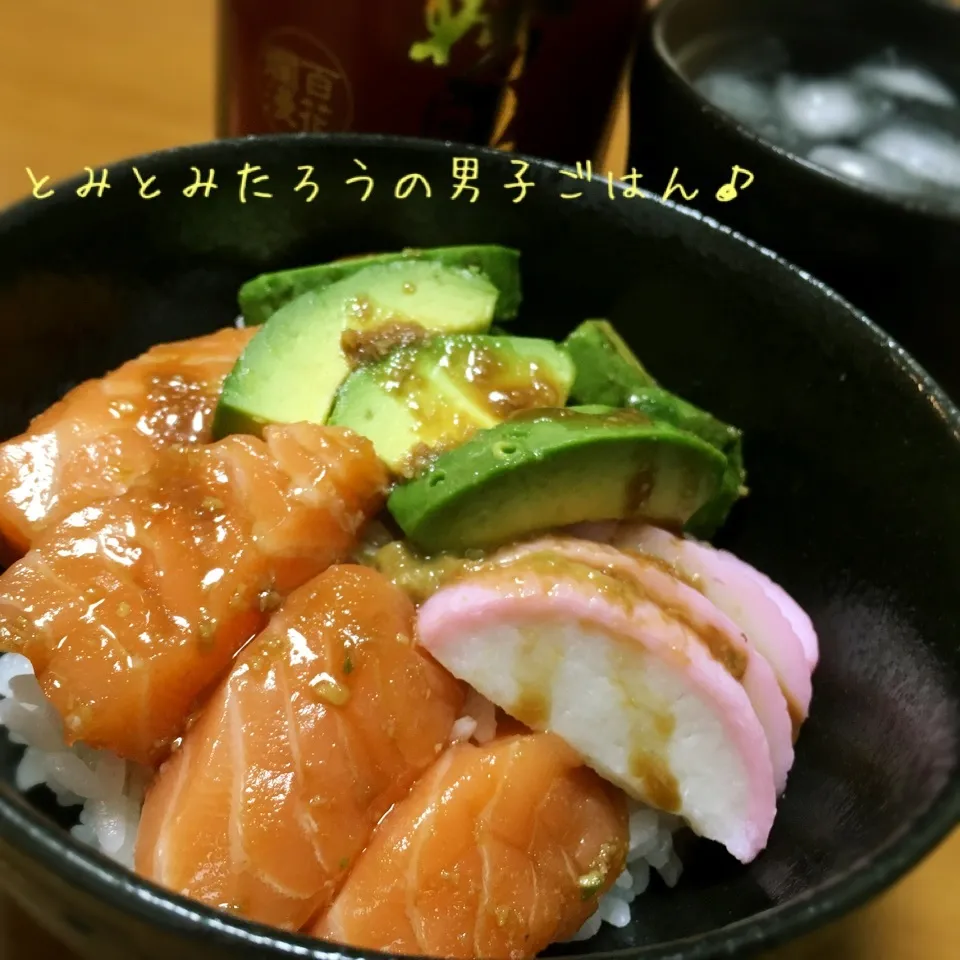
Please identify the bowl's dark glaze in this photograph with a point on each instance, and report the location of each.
(896, 260)
(854, 460)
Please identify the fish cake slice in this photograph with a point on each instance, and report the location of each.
(771, 620)
(683, 603)
(568, 648)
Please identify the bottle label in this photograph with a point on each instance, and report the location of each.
(303, 84)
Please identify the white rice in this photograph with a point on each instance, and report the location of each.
(651, 846)
(110, 791)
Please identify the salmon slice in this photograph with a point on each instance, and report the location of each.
(130, 610)
(326, 720)
(497, 852)
(573, 650)
(105, 433)
(719, 635)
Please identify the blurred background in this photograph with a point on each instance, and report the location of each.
(86, 84)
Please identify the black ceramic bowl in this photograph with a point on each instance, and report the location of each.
(854, 459)
(898, 260)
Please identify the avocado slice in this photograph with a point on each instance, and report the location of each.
(711, 517)
(549, 468)
(294, 365)
(659, 404)
(435, 394)
(607, 368)
(263, 296)
(609, 373)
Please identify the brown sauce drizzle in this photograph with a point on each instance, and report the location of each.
(422, 457)
(535, 669)
(731, 656)
(419, 576)
(502, 382)
(796, 714)
(691, 580)
(532, 707)
(488, 382)
(652, 728)
(373, 344)
(637, 491)
(618, 587)
(549, 565)
(658, 780)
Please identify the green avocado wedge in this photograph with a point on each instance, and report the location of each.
(436, 393)
(292, 368)
(263, 296)
(607, 368)
(609, 373)
(544, 469)
(663, 406)
(712, 516)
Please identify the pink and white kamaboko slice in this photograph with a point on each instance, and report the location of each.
(722, 638)
(568, 648)
(770, 619)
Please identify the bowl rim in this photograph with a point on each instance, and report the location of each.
(916, 207)
(37, 838)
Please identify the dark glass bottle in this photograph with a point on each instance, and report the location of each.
(572, 56)
(539, 76)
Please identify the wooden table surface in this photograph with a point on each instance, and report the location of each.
(88, 83)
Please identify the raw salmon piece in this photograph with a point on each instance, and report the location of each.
(105, 433)
(497, 852)
(326, 720)
(569, 649)
(132, 609)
